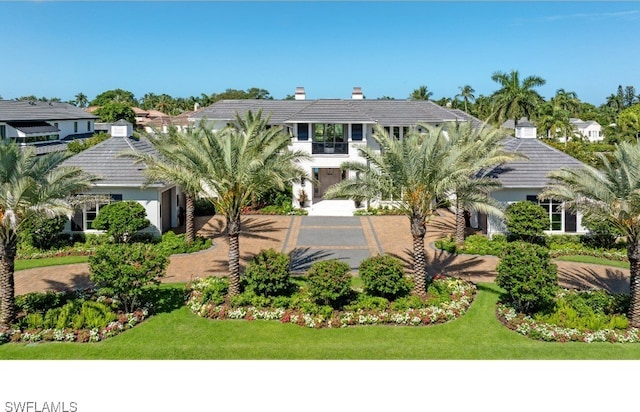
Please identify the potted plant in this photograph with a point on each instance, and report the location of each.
(302, 198)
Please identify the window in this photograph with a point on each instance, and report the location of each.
(303, 131)
(356, 132)
(88, 126)
(396, 132)
(554, 210)
(56, 125)
(75, 127)
(328, 133)
(3, 131)
(83, 219)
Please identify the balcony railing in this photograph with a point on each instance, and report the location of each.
(329, 148)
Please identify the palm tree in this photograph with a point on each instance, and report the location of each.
(566, 101)
(30, 185)
(236, 163)
(484, 149)
(610, 195)
(421, 93)
(553, 119)
(466, 93)
(515, 99)
(171, 165)
(416, 173)
(615, 101)
(81, 100)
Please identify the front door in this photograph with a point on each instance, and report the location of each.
(325, 178)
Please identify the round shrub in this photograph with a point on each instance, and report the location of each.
(526, 221)
(329, 283)
(123, 271)
(383, 276)
(121, 220)
(269, 274)
(525, 271)
(42, 232)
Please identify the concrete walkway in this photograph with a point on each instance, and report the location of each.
(311, 238)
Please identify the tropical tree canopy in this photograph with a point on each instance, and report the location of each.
(30, 185)
(244, 159)
(610, 195)
(515, 98)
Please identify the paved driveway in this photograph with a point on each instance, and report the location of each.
(311, 238)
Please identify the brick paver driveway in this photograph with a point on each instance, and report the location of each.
(311, 238)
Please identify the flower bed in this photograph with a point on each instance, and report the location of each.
(124, 322)
(462, 295)
(527, 326)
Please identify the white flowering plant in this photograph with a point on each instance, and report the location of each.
(300, 312)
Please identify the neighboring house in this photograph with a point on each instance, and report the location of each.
(330, 130)
(122, 179)
(48, 126)
(589, 129)
(524, 178)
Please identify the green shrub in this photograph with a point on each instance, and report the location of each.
(269, 274)
(214, 290)
(123, 270)
(78, 145)
(172, 244)
(368, 303)
(121, 220)
(527, 274)
(42, 232)
(40, 302)
(408, 302)
(438, 293)
(447, 244)
(75, 314)
(601, 234)
(526, 221)
(204, 207)
(329, 283)
(576, 315)
(384, 276)
(482, 245)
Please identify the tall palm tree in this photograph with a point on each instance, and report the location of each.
(553, 119)
(30, 185)
(515, 98)
(466, 93)
(81, 100)
(170, 164)
(417, 173)
(421, 93)
(566, 101)
(233, 164)
(484, 149)
(609, 195)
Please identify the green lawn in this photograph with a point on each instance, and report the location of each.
(178, 334)
(594, 260)
(54, 261)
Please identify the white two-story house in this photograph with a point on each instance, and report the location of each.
(45, 125)
(331, 130)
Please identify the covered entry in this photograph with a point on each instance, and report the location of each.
(325, 178)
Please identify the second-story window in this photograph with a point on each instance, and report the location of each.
(356, 132)
(303, 131)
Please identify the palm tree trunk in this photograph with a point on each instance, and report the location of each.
(233, 231)
(418, 231)
(460, 224)
(190, 232)
(7, 283)
(633, 252)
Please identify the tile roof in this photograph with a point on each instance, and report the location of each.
(382, 112)
(531, 172)
(103, 161)
(12, 110)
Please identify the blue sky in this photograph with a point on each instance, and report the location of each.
(57, 49)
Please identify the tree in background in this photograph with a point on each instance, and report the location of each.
(111, 112)
(515, 98)
(81, 100)
(466, 93)
(115, 96)
(421, 93)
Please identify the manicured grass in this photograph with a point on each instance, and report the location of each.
(178, 334)
(54, 261)
(594, 260)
